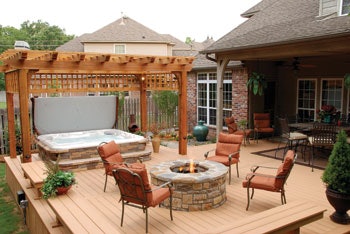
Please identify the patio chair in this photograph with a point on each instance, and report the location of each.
(270, 182)
(323, 136)
(136, 191)
(262, 125)
(292, 139)
(111, 158)
(226, 151)
(232, 127)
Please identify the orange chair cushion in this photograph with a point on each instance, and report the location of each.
(108, 149)
(110, 153)
(262, 120)
(157, 196)
(223, 159)
(228, 144)
(261, 182)
(284, 168)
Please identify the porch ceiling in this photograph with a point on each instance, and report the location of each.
(307, 48)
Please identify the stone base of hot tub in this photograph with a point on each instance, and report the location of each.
(88, 158)
(202, 192)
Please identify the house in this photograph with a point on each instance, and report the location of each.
(126, 36)
(301, 46)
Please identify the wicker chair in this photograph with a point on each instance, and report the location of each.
(292, 139)
(323, 136)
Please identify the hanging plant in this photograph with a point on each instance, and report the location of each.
(347, 80)
(257, 83)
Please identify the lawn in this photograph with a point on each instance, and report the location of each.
(11, 219)
(2, 105)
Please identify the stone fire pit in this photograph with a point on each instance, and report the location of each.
(193, 191)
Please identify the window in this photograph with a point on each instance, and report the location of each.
(332, 93)
(306, 102)
(119, 49)
(345, 7)
(207, 96)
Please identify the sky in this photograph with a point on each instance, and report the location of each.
(180, 18)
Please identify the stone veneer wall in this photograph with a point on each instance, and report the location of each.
(239, 98)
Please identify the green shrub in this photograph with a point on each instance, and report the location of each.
(336, 175)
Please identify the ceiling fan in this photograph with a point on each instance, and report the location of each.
(296, 64)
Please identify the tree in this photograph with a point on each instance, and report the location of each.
(40, 36)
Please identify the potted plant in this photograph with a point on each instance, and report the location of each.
(336, 177)
(257, 83)
(155, 129)
(57, 181)
(347, 80)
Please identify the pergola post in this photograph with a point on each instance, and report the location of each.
(143, 103)
(11, 123)
(183, 113)
(24, 114)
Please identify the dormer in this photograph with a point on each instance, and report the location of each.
(333, 8)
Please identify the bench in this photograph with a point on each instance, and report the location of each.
(78, 215)
(35, 173)
(286, 218)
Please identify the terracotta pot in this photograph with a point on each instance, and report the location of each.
(341, 204)
(156, 143)
(63, 190)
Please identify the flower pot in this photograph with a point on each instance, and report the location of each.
(327, 119)
(63, 190)
(341, 204)
(200, 131)
(156, 143)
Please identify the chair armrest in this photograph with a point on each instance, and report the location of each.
(168, 184)
(256, 167)
(231, 155)
(207, 153)
(250, 176)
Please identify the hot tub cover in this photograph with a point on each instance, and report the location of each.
(71, 114)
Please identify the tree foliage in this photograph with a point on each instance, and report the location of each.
(40, 35)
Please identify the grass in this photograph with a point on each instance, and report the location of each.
(2, 105)
(11, 219)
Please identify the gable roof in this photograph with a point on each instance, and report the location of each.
(74, 45)
(125, 29)
(274, 22)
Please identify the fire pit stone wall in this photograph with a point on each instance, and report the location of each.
(193, 191)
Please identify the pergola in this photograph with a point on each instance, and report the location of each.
(32, 73)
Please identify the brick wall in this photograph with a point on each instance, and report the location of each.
(239, 98)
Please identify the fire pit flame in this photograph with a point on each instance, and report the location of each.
(189, 167)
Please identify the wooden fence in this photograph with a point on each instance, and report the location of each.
(130, 106)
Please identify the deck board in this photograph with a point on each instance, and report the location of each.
(302, 185)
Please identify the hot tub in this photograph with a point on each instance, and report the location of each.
(81, 146)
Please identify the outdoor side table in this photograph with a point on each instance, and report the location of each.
(246, 134)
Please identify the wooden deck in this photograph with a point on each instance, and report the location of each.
(105, 211)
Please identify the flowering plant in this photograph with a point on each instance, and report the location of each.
(156, 128)
(326, 110)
